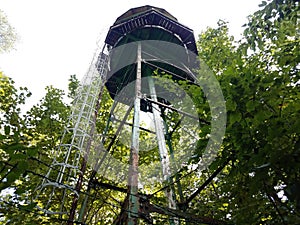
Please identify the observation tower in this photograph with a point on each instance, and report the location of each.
(145, 50)
(145, 41)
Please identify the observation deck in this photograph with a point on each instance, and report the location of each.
(167, 46)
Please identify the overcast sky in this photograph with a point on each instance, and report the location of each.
(58, 37)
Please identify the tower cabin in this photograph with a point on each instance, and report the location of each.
(158, 32)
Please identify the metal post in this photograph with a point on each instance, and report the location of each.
(169, 142)
(84, 204)
(164, 157)
(134, 155)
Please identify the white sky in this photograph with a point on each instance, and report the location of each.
(58, 37)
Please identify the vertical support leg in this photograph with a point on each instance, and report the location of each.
(164, 157)
(169, 142)
(134, 155)
(83, 208)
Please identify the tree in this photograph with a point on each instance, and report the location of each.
(11, 126)
(260, 80)
(26, 145)
(14, 146)
(8, 35)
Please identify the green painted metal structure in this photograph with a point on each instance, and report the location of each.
(148, 23)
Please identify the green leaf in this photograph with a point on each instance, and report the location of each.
(32, 151)
(22, 165)
(18, 156)
(16, 146)
(235, 117)
(230, 105)
(261, 116)
(251, 106)
(20, 191)
(2, 137)
(262, 4)
(7, 130)
(11, 177)
(28, 207)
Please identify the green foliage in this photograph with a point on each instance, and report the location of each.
(26, 141)
(13, 147)
(49, 116)
(260, 80)
(73, 85)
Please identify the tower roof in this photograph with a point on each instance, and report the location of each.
(142, 9)
(149, 16)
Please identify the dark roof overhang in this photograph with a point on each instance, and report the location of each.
(148, 16)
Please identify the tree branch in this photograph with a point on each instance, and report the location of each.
(217, 171)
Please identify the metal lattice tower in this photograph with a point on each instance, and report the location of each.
(138, 45)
